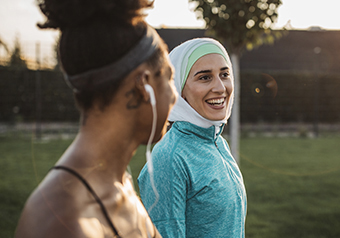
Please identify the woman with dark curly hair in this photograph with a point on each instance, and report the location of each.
(118, 68)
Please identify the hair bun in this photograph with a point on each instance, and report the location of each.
(72, 13)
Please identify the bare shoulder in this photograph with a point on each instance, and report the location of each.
(55, 209)
(62, 207)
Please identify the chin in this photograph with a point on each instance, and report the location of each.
(216, 118)
(214, 115)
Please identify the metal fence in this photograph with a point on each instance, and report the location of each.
(269, 103)
(37, 55)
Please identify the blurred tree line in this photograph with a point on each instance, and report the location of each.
(15, 59)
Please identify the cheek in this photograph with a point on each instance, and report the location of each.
(192, 94)
(229, 87)
(173, 94)
(167, 98)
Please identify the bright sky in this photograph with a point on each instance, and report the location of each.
(19, 18)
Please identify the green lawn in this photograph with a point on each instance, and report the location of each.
(292, 187)
(292, 184)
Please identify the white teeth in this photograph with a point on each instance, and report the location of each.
(216, 101)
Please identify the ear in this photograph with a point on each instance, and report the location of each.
(143, 78)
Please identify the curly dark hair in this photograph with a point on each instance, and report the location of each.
(95, 33)
(72, 13)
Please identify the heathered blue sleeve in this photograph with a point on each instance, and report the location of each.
(170, 177)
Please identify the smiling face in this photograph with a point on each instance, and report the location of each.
(209, 86)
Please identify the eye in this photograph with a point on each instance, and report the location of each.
(225, 74)
(204, 77)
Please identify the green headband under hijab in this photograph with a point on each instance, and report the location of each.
(198, 53)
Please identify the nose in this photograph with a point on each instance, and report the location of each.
(218, 85)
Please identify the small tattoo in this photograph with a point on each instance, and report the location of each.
(133, 103)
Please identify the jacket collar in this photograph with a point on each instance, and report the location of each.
(203, 133)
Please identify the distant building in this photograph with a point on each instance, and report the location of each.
(312, 51)
(299, 50)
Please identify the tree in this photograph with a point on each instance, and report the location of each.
(17, 60)
(239, 25)
(2, 43)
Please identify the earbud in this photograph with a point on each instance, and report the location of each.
(149, 89)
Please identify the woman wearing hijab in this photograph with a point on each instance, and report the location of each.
(196, 189)
(119, 70)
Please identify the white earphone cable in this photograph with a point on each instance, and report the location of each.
(148, 150)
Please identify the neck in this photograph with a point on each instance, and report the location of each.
(103, 147)
(182, 111)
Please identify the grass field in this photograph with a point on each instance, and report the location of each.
(292, 183)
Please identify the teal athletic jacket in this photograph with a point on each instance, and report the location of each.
(201, 189)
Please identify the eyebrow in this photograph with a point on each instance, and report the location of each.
(209, 71)
(202, 72)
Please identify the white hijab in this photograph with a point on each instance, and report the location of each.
(179, 57)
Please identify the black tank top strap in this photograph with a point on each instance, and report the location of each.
(89, 188)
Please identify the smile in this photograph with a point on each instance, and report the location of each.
(216, 102)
